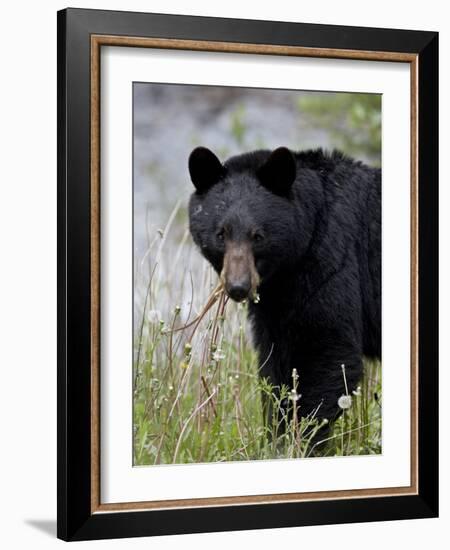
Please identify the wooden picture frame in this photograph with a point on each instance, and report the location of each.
(81, 35)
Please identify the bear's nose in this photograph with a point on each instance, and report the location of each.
(238, 290)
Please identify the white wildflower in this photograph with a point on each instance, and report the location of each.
(345, 401)
(294, 396)
(357, 391)
(218, 355)
(256, 298)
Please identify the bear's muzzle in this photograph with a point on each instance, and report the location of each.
(239, 275)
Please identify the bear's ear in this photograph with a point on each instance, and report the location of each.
(279, 171)
(205, 169)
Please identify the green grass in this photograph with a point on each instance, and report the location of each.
(197, 393)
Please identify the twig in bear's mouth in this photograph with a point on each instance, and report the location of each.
(214, 296)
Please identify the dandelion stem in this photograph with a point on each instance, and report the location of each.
(345, 378)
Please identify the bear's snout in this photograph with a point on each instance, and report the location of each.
(239, 274)
(239, 290)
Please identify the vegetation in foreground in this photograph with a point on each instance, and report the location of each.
(197, 393)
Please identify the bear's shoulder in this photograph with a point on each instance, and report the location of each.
(324, 160)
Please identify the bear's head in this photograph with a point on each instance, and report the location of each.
(244, 216)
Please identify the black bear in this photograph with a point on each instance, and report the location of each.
(298, 234)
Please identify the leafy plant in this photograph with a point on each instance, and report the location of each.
(352, 120)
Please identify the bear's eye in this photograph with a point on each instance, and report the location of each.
(257, 237)
(220, 234)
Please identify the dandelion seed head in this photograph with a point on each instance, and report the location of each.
(345, 401)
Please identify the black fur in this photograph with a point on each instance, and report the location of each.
(319, 260)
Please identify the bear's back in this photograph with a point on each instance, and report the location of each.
(350, 225)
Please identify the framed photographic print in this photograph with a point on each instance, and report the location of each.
(247, 254)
